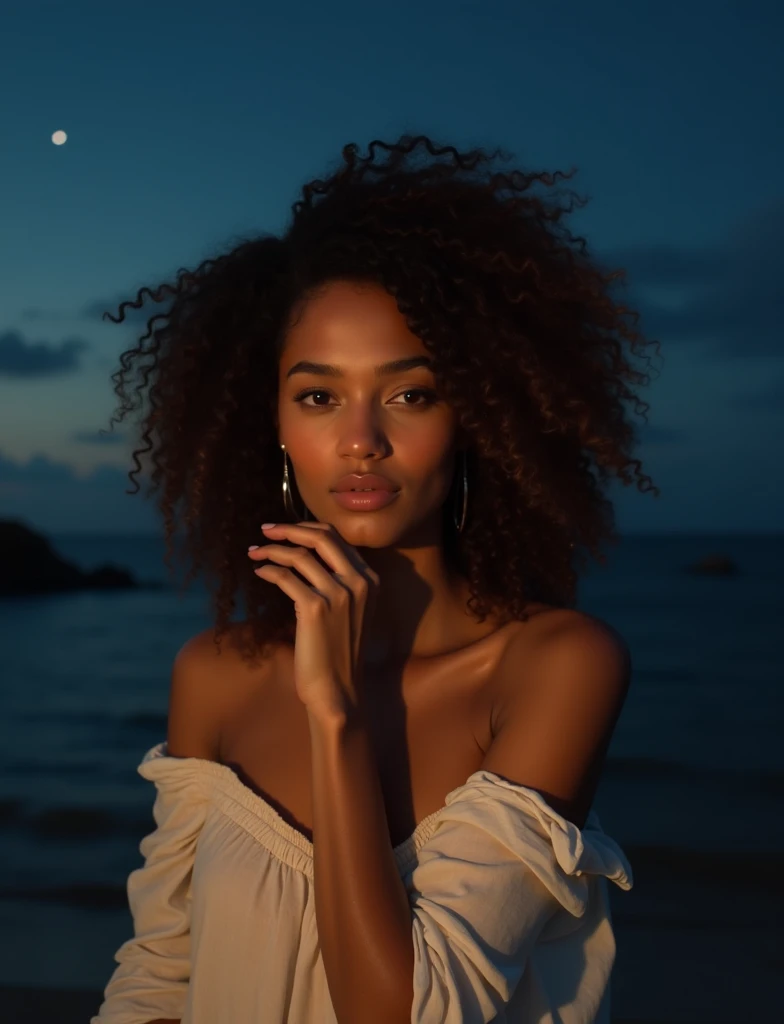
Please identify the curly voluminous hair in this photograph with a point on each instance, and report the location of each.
(529, 349)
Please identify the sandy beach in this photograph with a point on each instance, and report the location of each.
(57, 1006)
(47, 1005)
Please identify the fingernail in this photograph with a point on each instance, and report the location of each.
(253, 547)
(268, 526)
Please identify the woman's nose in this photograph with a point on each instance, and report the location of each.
(362, 440)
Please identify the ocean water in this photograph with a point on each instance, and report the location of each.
(692, 790)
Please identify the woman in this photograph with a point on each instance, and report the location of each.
(374, 801)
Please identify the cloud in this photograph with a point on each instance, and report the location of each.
(730, 294)
(664, 266)
(51, 497)
(771, 397)
(650, 433)
(38, 468)
(94, 437)
(34, 313)
(21, 358)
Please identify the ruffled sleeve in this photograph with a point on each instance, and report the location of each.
(151, 979)
(511, 920)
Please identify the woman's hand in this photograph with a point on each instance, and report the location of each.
(332, 603)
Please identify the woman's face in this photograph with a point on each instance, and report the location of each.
(354, 420)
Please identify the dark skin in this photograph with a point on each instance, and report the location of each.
(361, 423)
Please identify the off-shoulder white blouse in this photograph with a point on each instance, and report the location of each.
(509, 909)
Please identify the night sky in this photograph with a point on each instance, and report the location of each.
(190, 125)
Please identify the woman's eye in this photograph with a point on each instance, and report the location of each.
(306, 394)
(428, 397)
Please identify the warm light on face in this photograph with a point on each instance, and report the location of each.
(357, 394)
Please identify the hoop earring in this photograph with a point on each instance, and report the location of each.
(460, 508)
(288, 501)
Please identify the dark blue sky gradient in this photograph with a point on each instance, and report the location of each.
(191, 125)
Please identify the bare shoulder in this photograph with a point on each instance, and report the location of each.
(562, 629)
(205, 681)
(546, 647)
(572, 678)
(572, 626)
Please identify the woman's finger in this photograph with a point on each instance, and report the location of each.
(305, 564)
(302, 595)
(328, 544)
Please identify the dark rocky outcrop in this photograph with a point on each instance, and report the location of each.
(30, 565)
(714, 565)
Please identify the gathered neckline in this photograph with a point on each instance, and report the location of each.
(255, 814)
(287, 829)
(256, 803)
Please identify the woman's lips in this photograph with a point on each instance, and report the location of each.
(364, 501)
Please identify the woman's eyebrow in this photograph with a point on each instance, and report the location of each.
(328, 370)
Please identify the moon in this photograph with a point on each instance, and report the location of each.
(58, 138)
